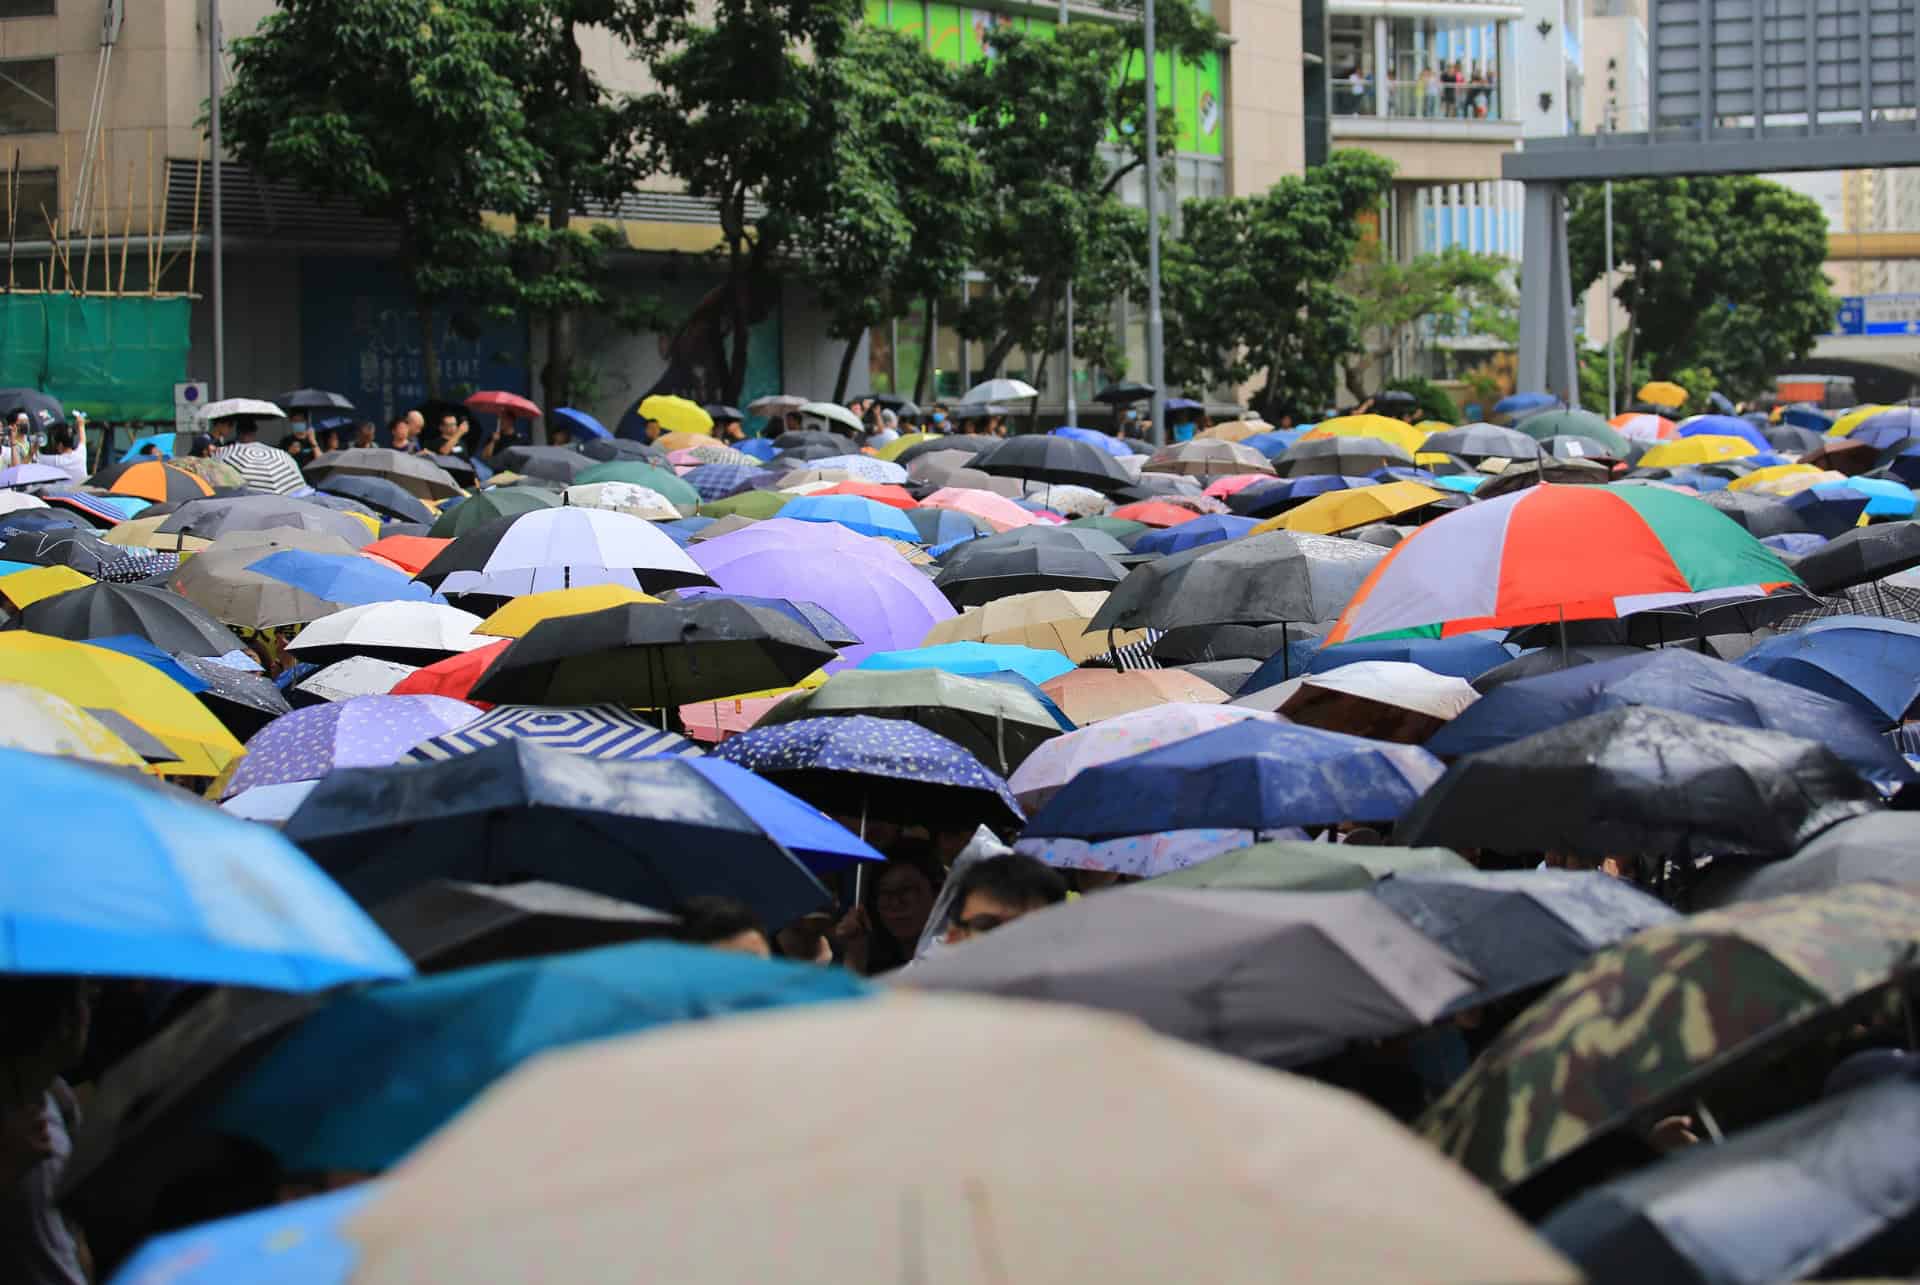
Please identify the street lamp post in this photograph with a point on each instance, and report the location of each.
(1156, 356)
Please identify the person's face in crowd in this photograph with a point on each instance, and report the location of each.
(560, 436)
(402, 434)
(416, 424)
(653, 430)
(903, 899)
(330, 440)
(448, 427)
(363, 436)
(731, 431)
(748, 941)
(982, 912)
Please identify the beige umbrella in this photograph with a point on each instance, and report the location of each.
(700, 1154)
(1388, 700)
(417, 475)
(1090, 695)
(219, 582)
(972, 479)
(144, 533)
(623, 497)
(1209, 457)
(1050, 619)
(1238, 430)
(937, 466)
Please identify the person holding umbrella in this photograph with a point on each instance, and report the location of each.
(48, 1020)
(727, 423)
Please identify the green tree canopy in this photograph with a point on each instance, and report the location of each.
(1391, 298)
(1719, 273)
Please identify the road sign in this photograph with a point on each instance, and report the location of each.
(188, 398)
(1879, 314)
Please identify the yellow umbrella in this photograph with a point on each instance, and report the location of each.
(1344, 510)
(24, 588)
(807, 684)
(1794, 483)
(367, 520)
(677, 415)
(1433, 457)
(43, 723)
(1662, 393)
(1400, 433)
(98, 678)
(902, 444)
(1752, 481)
(1704, 449)
(1432, 426)
(1047, 619)
(519, 616)
(1845, 424)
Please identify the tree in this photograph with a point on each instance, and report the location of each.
(744, 116)
(1249, 285)
(1719, 273)
(401, 108)
(1392, 299)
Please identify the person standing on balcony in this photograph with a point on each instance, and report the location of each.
(1450, 88)
(1429, 91)
(1476, 93)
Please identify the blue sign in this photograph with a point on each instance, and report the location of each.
(1879, 314)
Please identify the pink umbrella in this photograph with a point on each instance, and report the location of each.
(716, 720)
(500, 403)
(1234, 483)
(996, 511)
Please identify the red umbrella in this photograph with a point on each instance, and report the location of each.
(881, 492)
(454, 676)
(1154, 513)
(410, 553)
(498, 403)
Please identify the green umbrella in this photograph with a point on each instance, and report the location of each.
(757, 505)
(1576, 423)
(1638, 1030)
(495, 502)
(998, 723)
(1309, 867)
(1120, 529)
(654, 479)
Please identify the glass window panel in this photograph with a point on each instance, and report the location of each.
(26, 96)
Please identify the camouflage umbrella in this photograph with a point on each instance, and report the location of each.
(1651, 1019)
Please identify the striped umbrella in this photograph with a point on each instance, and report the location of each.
(597, 731)
(265, 468)
(1553, 553)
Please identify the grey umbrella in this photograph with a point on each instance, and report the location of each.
(976, 576)
(1278, 978)
(1255, 580)
(214, 517)
(1881, 847)
(1482, 442)
(167, 620)
(1349, 456)
(419, 474)
(551, 463)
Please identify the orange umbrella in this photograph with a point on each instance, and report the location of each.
(884, 492)
(1090, 695)
(153, 480)
(1154, 513)
(410, 553)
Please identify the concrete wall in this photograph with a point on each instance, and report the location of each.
(1430, 151)
(263, 328)
(1266, 111)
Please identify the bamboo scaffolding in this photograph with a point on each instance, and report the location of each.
(193, 253)
(126, 234)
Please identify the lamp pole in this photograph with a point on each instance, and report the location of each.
(219, 238)
(1156, 356)
(1073, 403)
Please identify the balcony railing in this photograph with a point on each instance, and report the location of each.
(1468, 100)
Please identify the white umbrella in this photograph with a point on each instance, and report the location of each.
(270, 804)
(1001, 390)
(864, 467)
(11, 501)
(394, 626)
(354, 676)
(838, 414)
(623, 497)
(561, 548)
(247, 406)
(775, 404)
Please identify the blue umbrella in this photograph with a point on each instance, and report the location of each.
(1466, 483)
(822, 844)
(1723, 426)
(298, 1243)
(1794, 543)
(144, 649)
(404, 1059)
(1034, 690)
(885, 767)
(1888, 428)
(648, 830)
(133, 879)
(687, 527)
(1885, 497)
(718, 481)
(1264, 499)
(582, 424)
(1829, 513)
(110, 509)
(161, 442)
(855, 512)
(946, 527)
(1803, 417)
(1519, 402)
(1683, 681)
(347, 579)
(1462, 656)
(1094, 437)
(1031, 663)
(1870, 663)
(1276, 443)
(760, 448)
(383, 495)
(1903, 461)
(1210, 529)
(1252, 775)
(1698, 480)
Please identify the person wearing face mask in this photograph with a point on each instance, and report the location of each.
(937, 421)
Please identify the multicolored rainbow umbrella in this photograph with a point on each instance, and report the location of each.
(1558, 553)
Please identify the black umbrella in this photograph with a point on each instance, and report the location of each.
(811, 437)
(1881, 847)
(1349, 456)
(969, 442)
(648, 830)
(312, 399)
(1189, 643)
(1829, 1191)
(1279, 978)
(1043, 457)
(457, 467)
(1483, 441)
(1396, 397)
(1228, 675)
(383, 496)
(1550, 660)
(1124, 393)
(1041, 535)
(167, 620)
(1659, 626)
(1860, 555)
(553, 463)
(86, 553)
(1255, 580)
(1792, 437)
(213, 517)
(338, 503)
(242, 700)
(1520, 928)
(1761, 515)
(1641, 781)
(651, 656)
(975, 576)
(1519, 477)
(42, 408)
(603, 449)
(721, 413)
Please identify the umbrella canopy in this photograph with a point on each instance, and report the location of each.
(1033, 664)
(1825, 1191)
(1642, 780)
(650, 830)
(1599, 1049)
(217, 516)
(995, 511)
(554, 465)
(1704, 449)
(1349, 456)
(884, 768)
(346, 679)
(558, 549)
(151, 480)
(1559, 553)
(1000, 390)
(655, 655)
(832, 414)
(42, 722)
(1209, 457)
(1255, 774)
(581, 424)
(1644, 427)
(1476, 442)
(1875, 848)
(946, 526)
(136, 880)
(1576, 423)
(490, 506)
(340, 578)
(365, 731)
(981, 572)
(757, 505)
(1213, 529)
(410, 632)
(1093, 695)
(263, 467)
(516, 618)
(421, 1051)
(1861, 555)
(1047, 457)
(1051, 766)
(387, 498)
(1346, 509)
(1870, 663)
(419, 476)
(998, 723)
(509, 405)
(222, 583)
(663, 481)
(453, 676)
(1052, 619)
(312, 399)
(1271, 977)
(1386, 700)
(1293, 865)
(409, 553)
(106, 610)
(856, 513)
(1264, 1129)
(676, 414)
(1683, 681)
(242, 700)
(1259, 579)
(98, 679)
(239, 408)
(597, 731)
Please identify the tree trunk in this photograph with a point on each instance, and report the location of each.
(926, 353)
(429, 349)
(561, 344)
(1628, 373)
(733, 374)
(847, 354)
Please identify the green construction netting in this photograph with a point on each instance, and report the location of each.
(115, 359)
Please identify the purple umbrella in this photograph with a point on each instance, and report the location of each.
(366, 731)
(30, 474)
(863, 581)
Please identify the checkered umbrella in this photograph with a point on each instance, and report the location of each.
(597, 731)
(717, 481)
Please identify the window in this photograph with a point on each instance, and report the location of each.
(26, 96)
(26, 8)
(35, 203)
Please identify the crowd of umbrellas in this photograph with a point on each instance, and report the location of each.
(1491, 841)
